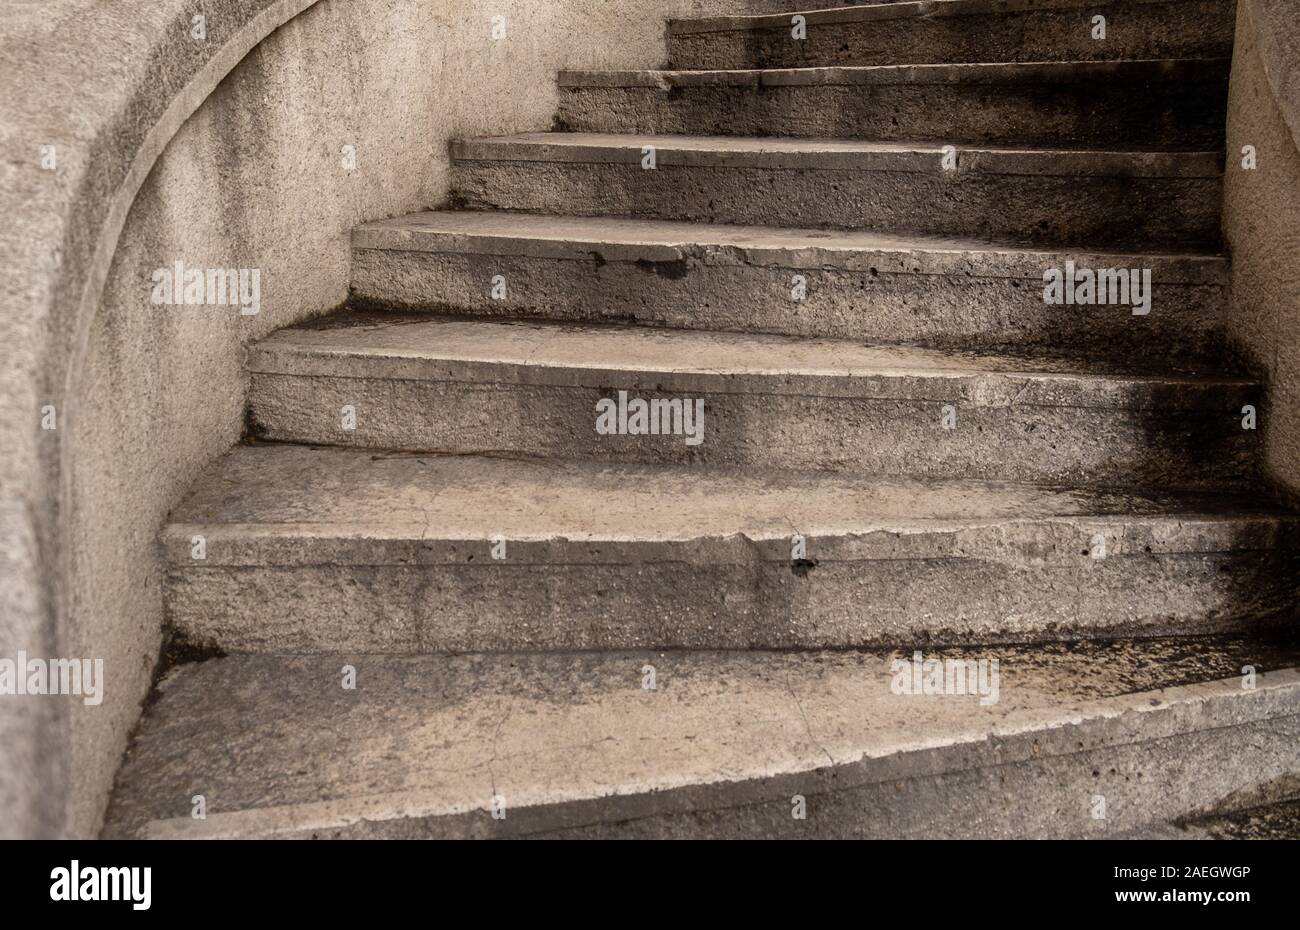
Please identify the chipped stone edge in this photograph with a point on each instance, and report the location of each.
(713, 246)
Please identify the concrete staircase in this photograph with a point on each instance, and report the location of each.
(838, 245)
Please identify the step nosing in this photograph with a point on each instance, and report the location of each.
(262, 551)
(1018, 72)
(419, 345)
(593, 376)
(615, 240)
(408, 531)
(873, 12)
(677, 152)
(431, 506)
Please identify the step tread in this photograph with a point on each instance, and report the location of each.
(416, 344)
(572, 739)
(867, 12)
(834, 154)
(615, 238)
(260, 493)
(1163, 69)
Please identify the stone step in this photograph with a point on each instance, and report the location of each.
(957, 31)
(1090, 742)
(771, 403)
(317, 549)
(1157, 104)
(927, 291)
(1130, 200)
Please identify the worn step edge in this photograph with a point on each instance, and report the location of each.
(929, 9)
(295, 505)
(423, 348)
(1071, 72)
(617, 239)
(310, 550)
(290, 545)
(831, 155)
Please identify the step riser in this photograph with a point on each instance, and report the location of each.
(1076, 210)
(1116, 114)
(1192, 29)
(495, 606)
(714, 289)
(899, 431)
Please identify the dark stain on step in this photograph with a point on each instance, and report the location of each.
(178, 649)
(802, 567)
(674, 270)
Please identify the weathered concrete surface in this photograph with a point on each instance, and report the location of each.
(32, 732)
(1139, 104)
(1038, 197)
(309, 550)
(240, 186)
(961, 31)
(1280, 821)
(771, 403)
(575, 744)
(221, 195)
(1261, 221)
(836, 155)
(1276, 37)
(98, 116)
(935, 292)
(147, 394)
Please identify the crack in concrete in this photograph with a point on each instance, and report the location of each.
(804, 717)
(496, 736)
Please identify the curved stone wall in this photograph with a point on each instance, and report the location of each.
(94, 92)
(239, 142)
(131, 142)
(1262, 220)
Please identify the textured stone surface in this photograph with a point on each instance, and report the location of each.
(771, 403)
(965, 30)
(1037, 197)
(575, 744)
(936, 292)
(343, 550)
(97, 113)
(252, 178)
(163, 391)
(1280, 821)
(1273, 29)
(147, 396)
(1141, 104)
(1262, 223)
